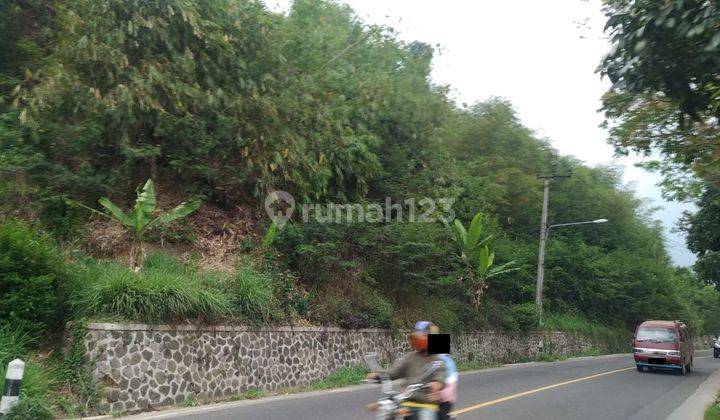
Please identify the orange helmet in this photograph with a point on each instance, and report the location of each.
(419, 337)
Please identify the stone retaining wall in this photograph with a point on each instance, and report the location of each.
(140, 366)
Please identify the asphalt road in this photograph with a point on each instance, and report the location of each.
(606, 387)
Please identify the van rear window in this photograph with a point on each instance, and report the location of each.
(656, 334)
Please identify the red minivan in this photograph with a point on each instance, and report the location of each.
(663, 345)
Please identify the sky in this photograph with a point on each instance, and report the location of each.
(540, 55)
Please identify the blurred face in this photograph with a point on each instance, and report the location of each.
(419, 341)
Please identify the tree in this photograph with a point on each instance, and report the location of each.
(478, 257)
(141, 218)
(232, 100)
(646, 124)
(667, 47)
(666, 92)
(703, 235)
(224, 95)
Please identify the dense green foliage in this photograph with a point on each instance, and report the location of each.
(666, 98)
(33, 280)
(230, 100)
(703, 230)
(669, 47)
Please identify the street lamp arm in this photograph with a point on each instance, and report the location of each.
(590, 222)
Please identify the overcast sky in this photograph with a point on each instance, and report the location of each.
(541, 55)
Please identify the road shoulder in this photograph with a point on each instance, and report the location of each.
(694, 407)
(219, 406)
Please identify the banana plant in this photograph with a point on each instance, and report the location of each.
(469, 240)
(478, 257)
(142, 217)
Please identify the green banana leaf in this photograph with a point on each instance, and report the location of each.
(484, 261)
(115, 211)
(460, 234)
(475, 230)
(178, 212)
(144, 207)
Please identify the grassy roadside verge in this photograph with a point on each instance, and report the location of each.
(713, 411)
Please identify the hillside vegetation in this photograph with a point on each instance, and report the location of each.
(222, 102)
(226, 101)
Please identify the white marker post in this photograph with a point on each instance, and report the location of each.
(13, 379)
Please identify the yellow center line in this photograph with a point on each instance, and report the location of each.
(533, 391)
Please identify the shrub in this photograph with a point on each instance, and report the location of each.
(32, 280)
(448, 314)
(30, 408)
(153, 295)
(378, 309)
(525, 316)
(61, 219)
(295, 301)
(354, 306)
(253, 292)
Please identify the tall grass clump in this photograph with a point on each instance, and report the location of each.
(159, 293)
(13, 344)
(253, 293)
(159, 261)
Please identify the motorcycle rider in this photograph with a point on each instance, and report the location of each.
(448, 395)
(412, 366)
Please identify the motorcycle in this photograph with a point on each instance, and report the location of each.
(393, 405)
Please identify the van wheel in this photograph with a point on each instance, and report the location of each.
(640, 368)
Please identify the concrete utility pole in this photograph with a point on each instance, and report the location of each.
(541, 256)
(543, 238)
